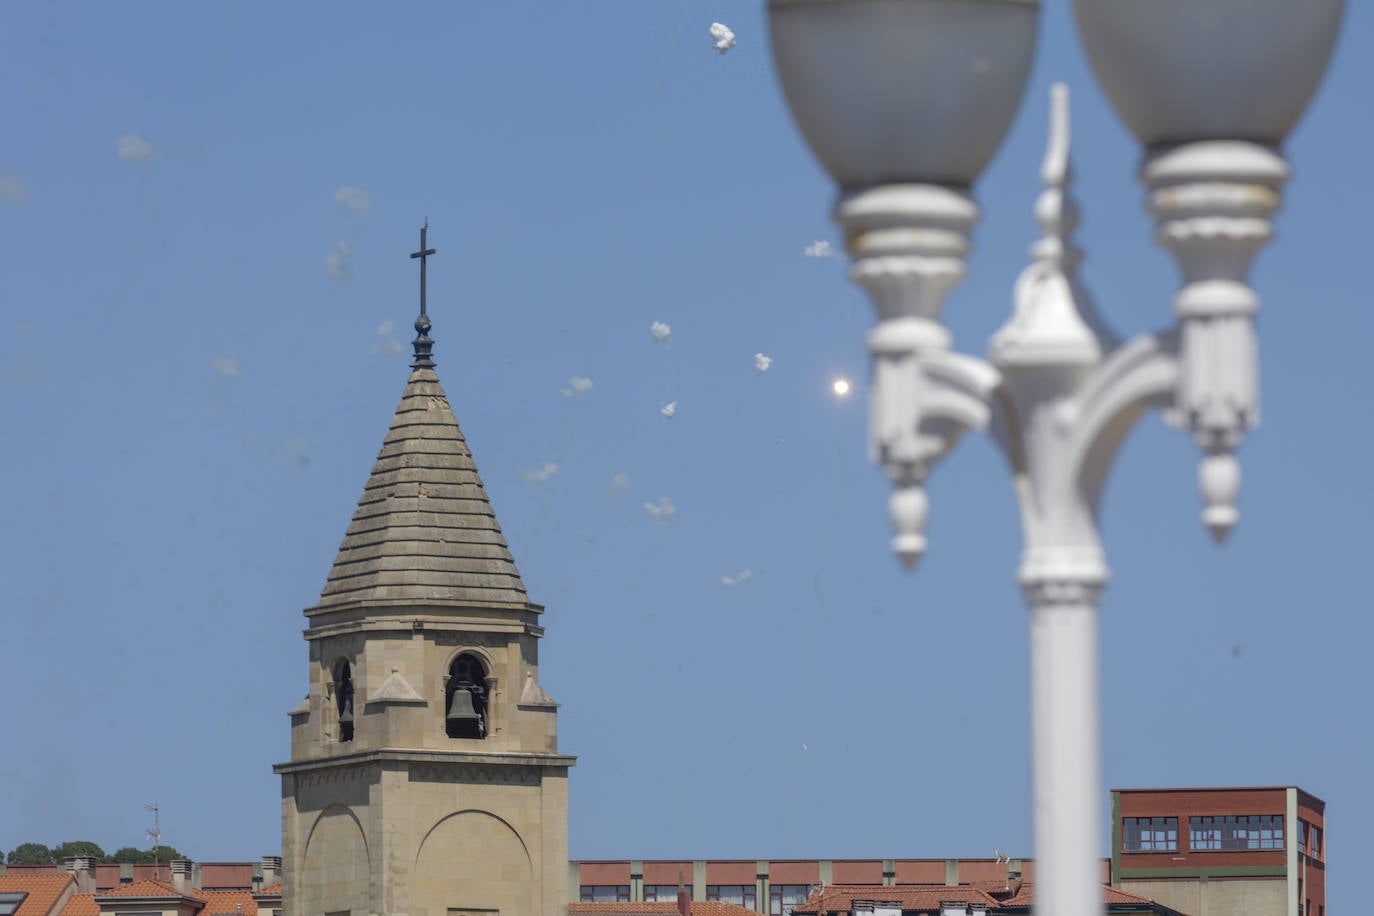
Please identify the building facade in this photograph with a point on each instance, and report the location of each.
(1222, 852)
(1200, 852)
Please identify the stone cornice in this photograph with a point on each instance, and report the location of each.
(400, 755)
(412, 623)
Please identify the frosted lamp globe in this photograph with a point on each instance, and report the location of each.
(1179, 71)
(897, 91)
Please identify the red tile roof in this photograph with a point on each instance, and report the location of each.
(44, 891)
(1001, 889)
(81, 905)
(230, 902)
(150, 887)
(1025, 897)
(666, 908)
(839, 898)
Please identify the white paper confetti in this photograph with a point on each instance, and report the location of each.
(354, 199)
(761, 363)
(744, 575)
(386, 344)
(539, 475)
(661, 511)
(13, 189)
(820, 249)
(225, 366)
(669, 410)
(134, 148)
(723, 38)
(660, 332)
(339, 263)
(577, 386)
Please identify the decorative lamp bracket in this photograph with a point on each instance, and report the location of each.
(1214, 203)
(908, 244)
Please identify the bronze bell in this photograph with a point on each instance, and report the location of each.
(460, 708)
(346, 714)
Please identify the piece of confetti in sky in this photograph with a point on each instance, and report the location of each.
(669, 410)
(577, 386)
(225, 367)
(660, 332)
(385, 343)
(841, 387)
(661, 511)
(820, 249)
(723, 38)
(539, 475)
(761, 363)
(744, 575)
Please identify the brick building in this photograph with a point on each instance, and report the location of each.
(1222, 852)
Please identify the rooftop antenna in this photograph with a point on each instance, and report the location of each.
(155, 834)
(1004, 859)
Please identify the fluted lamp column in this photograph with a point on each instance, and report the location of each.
(904, 102)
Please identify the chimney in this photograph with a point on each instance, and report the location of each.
(271, 870)
(181, 876)
(82, 869)
(684, 898)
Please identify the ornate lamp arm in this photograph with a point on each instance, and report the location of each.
(908, 244)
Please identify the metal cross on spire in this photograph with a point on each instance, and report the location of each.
(422, 343)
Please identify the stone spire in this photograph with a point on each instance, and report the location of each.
(424, 531)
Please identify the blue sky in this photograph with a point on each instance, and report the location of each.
(192, 403)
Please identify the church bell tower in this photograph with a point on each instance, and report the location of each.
(425, 778)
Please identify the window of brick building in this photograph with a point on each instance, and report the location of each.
(1236, 831)
(605, 893)
(660, 893)
(783, 897)
(1149, 834)
(742, 894)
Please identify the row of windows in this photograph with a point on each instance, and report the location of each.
(781, 897)
(1254, 831)
(465, 699)
(1205, 832)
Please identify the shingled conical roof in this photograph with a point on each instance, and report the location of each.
(424, 531)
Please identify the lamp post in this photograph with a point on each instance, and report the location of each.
(904, 102)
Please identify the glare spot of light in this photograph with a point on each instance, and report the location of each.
(841, 387)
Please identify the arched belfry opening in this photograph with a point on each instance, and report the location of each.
(343, 698)
(465, 698)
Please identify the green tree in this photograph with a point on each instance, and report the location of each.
(30, 854)
(77, 848)
(144, 856)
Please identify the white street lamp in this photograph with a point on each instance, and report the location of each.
(904, 102)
